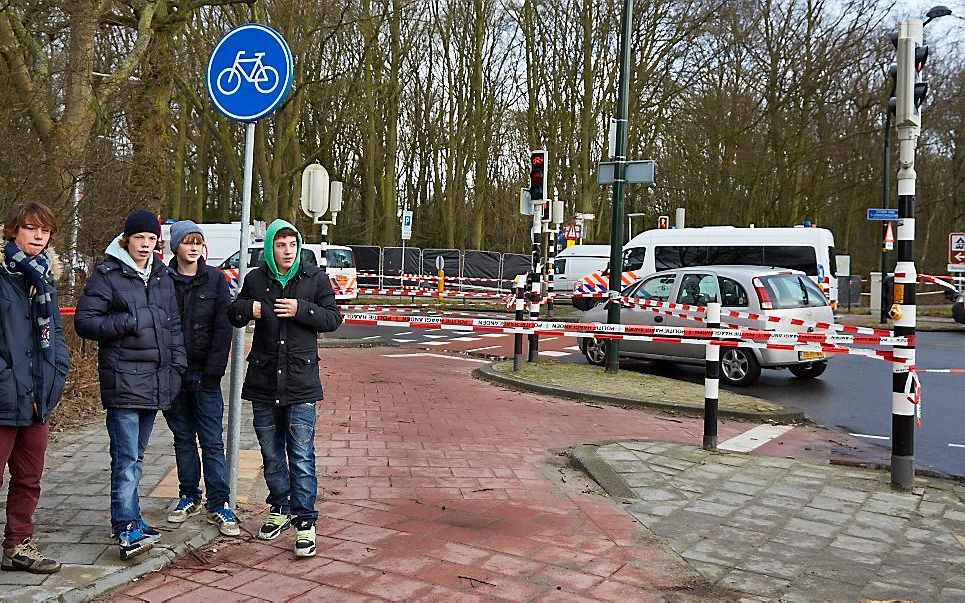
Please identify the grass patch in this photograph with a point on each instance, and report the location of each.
(629, 385)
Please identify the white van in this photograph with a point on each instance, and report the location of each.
(577, 261)
(221, 240)
(810, 250)
(342, 271)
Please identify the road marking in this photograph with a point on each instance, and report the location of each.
(548, 338)
(573, 348)
(553, 354)
(429, 355)
(465, 339)
(870, 437)
(434, 336)
(436, 342)
(405, 333)
(372, 337)
(403, 340)
(491, 347)
(494, 334)
(957, 445)
(755, 438)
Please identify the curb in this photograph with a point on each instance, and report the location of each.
(584, 458)
(355, 343)
(123, 577)
(487, 373)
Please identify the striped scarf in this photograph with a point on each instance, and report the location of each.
(36, 271)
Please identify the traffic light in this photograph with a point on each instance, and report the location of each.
(921, 86)
(663, 222)
(893, 100)
(537, 176)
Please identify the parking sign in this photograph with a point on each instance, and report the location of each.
(249, 72)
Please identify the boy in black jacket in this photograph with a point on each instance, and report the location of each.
(291, 303)
(197, 412)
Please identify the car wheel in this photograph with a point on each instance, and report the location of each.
(809, 370)
(739, 367)
(594, 350)
(584, 303)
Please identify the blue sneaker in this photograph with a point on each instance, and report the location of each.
(147, 530)
(134, 542)
(226, 521)
(186, 507)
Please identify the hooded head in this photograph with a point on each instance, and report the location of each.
(280, 250)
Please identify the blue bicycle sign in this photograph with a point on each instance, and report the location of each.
(249, 72)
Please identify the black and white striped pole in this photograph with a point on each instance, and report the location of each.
(519, 288)
(711, 381)
(904, 407)
(536, 283)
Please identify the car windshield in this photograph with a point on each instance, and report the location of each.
(788, 291)
(340, 258)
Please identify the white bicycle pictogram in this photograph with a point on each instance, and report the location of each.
(229, 80)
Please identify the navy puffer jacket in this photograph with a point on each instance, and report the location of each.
(140, 357)
(21, 358)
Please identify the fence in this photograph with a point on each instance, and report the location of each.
(475, 269)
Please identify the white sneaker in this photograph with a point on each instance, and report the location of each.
(185, 508)
(305, 540)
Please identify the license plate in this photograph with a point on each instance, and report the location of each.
(810, 356)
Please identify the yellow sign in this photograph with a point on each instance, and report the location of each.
(899, 293)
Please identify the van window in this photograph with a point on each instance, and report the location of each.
(732, 295)
(340, 258)
(795, 258)
(559, 266)
(697, 289)
(633, 258)
(657, 288)
(788, 291)
(833, 261)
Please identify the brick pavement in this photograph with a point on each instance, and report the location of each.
(434, 486)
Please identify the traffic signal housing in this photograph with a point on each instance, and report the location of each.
(537, 176)
(663, 222)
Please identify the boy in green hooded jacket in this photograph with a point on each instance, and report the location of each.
(290, 302)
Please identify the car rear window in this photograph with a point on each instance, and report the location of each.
(559, 266)
(789, 291)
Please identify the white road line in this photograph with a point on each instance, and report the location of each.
(405, 333)
(957, 445)
(465, 339)
(553, 354)
(754, 438)
(573, 348)
(403, 340)
(427, 335)
(491, 347)
(430, 355)
(372, 337)
(870, 437)
(436, 342)
(548, 338)
(494, 335)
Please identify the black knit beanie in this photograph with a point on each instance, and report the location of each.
(141, 220)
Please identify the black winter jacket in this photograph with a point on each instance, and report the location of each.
(283, 362)
(140, 357)
(21, 358)
(203, 303)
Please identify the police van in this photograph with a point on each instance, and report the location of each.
(810, 250)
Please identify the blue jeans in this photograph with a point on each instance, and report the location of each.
(286, 435)
(195, 417)
(130, 431)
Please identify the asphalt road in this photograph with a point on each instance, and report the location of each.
(854, 394)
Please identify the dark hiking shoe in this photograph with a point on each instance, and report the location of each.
(26, 558)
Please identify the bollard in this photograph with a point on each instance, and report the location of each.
(442, 284)
(518, 337)
(711, 380)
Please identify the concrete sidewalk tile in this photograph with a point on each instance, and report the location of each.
(160, 587)
(338, 573)
(569, 579)
(208, 594)
(394, 588)
(276, 587)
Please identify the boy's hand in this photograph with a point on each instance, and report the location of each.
(256, 309)
(286, 308)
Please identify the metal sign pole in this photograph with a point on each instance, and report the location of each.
(238, 340)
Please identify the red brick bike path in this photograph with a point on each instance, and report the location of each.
(435, 486)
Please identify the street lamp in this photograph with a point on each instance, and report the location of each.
(935, 12)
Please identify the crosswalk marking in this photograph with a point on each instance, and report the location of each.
(466, 339)
(553, 353)
(754, 438)
(403, 340)
(434, 336)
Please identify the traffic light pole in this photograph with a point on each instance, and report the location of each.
(885, 203)
(619, 187)
(535, 280)
(904, 397)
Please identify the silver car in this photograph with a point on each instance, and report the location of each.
(753, 289)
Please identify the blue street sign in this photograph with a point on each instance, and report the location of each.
(883, 215)
(249, 72)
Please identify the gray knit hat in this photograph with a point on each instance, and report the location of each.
(181, 229)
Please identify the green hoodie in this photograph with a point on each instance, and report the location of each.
(269, 252)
